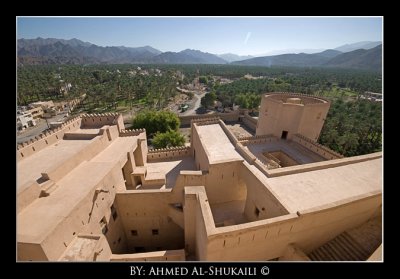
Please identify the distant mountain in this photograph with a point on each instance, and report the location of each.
(295, 60)
(188, 56)
(42, 42)
(230, 57)
(142, 49)
(329, 53)
(291, 51)
(59, 51)
(370, 59)
(359, 45)
(74, 51)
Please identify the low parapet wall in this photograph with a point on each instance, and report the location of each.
(257, 139)
(229, 116)
(205, 120)
(321, 150)
(305, 98)
(130, 133)
(250, 122)
(46, 138)
(269, 238)
(229, 134)
(321, 165)
(99, 120)
(167, 153)
(168, 255)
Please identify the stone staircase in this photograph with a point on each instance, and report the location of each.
(47, 188)
(341, 248)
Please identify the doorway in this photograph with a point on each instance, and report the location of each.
(284, 134)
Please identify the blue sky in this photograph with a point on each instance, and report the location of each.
(239, 35)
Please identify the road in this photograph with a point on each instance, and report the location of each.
(197, 104)
(31, 132)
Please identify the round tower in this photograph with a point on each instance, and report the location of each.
(286, 114)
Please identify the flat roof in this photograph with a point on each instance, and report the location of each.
(117, 149)
(52, 210)
(316, 188)
(31, 167)
(218, 147)
(72, 189)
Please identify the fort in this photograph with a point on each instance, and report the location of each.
(90, 190)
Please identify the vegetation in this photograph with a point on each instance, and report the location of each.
(248, 100)
(107, 87)
(162, 126)
(156, 121)
(353, 128)
(203, 80)
(168, 139)
(208, 99)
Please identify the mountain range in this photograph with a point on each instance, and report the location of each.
(362, 55)
(366, 59)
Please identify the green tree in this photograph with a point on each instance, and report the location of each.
(203, 80)
(168, 139)
(156, 121)
(208, 99)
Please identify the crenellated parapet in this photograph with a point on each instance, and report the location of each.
(314, 146)
(167, 153)
(66, 123)
(225, 116)
(98, 120)
(46, 138)
(257, 139)
(108, 114)
(49, 133)
(244, 138)
(205, 121)
(130, 133)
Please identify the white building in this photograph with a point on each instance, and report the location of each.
(24, 120)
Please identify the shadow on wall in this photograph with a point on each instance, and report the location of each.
(185, 164)
(242, 200)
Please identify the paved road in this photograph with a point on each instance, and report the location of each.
(196, 104)
(31, 132)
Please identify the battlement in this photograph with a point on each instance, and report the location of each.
(167, 153)
(225, 116)
(48, 133)
(46, 138)
(206, 121)
(258, 139)
(98, 120)
(130, 133)
(91, 115)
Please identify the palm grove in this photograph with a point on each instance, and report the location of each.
(353, 126)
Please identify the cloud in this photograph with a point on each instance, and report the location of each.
(247, 38)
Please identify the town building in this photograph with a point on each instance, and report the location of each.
(24, 120)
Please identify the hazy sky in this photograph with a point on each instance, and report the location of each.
(239, 35)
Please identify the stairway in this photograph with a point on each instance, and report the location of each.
(47, 188)
(341, 248)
